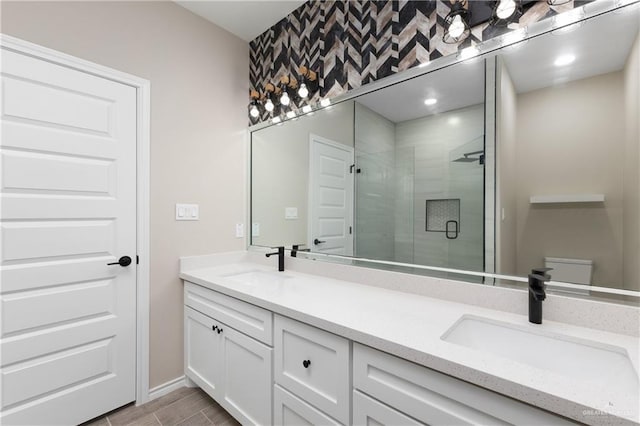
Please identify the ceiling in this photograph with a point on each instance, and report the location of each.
(246, 19)
(600, 45)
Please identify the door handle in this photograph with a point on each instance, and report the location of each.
(455, 229)
(317, 241)
(123, 261)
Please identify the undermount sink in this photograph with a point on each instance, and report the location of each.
(258, 277)
(578, 359)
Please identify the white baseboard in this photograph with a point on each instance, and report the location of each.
(167, 387)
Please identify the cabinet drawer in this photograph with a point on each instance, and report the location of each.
(244, 317)
(369, 412)
(291, 411)
(324, 380)
(435, 398)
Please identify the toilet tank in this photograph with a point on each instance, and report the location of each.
(576, 271)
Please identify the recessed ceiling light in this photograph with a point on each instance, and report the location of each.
(563, 60)
(430, 101)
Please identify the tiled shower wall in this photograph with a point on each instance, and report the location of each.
(353, 43)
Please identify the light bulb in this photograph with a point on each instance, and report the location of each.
(505, 9)
(284, 99)
(254, 111)
(430, 101)
(457, 27)
(303, 92)
(268, 105)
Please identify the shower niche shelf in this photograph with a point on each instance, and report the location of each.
(573, 198)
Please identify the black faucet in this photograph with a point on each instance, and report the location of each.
(296, 248)
(280, 254)
(537, 278)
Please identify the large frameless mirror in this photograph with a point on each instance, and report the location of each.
(525, 157)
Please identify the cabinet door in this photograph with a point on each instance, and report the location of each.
(247, 379)
(369, 412)
(202, 360)
(291, 411)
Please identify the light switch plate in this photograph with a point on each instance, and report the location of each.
(239, 230)
(255, 229)
(187, 212)
(290, 212)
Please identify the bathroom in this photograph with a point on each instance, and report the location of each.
(465, 165)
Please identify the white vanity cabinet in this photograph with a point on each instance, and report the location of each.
(222, 358)
(429, 396)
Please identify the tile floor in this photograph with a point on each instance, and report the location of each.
(184, 407)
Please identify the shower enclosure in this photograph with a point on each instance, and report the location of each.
(420, 188)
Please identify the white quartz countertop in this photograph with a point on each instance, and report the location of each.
(411, 326)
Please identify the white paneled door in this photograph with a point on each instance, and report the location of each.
(330, 197)
(68, 213)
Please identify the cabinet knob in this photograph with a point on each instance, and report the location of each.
(306, 363)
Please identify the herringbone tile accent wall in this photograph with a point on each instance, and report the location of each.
(355, 42)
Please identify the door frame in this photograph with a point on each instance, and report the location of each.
(337, 145)
(143, 133)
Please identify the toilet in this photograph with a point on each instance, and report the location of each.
(576, 271)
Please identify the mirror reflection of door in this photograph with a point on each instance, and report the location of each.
(330, 197)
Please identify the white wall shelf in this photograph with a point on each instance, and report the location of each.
(573, 198)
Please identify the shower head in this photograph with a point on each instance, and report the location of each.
(467, 157)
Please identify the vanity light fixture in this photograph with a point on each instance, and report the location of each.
(254, 110)
(505, 9)
(468, 52)
(325, 102)
(303, 92)
(284, 98)
(430, 101)
(269, 105)
(564, 60)
(456, 23)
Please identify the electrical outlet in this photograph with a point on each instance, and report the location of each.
(239, 230)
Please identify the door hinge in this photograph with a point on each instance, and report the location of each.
(137, 259)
